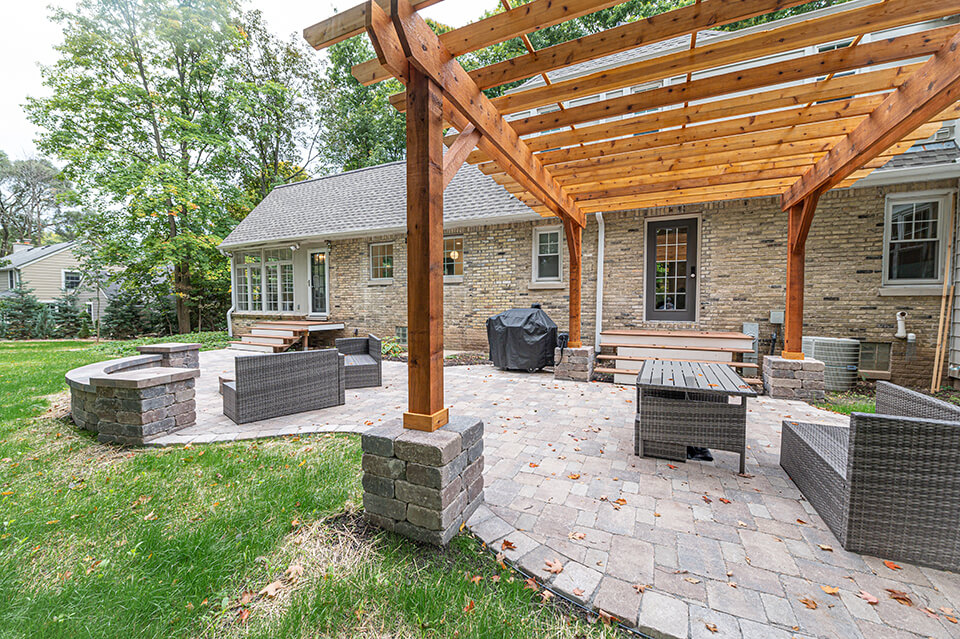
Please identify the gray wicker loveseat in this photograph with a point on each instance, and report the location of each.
(363, 359)
(279, 384)
(889, 485)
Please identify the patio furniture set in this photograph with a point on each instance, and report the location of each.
(277, 384)
(888, 485)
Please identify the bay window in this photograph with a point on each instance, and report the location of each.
(264, 280)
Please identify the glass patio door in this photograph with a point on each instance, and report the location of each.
(319, 295)
(671, 270)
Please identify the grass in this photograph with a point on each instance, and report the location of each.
(208, 340)
(98, 541)
(846, 403)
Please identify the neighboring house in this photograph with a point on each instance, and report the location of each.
(49, 271)
(334, 247)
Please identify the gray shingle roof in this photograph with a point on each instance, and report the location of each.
(929, 154)
(25, 256)
(367, 201)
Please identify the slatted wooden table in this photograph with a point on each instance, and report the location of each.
(682, 404)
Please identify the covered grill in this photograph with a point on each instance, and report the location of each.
(522, 339)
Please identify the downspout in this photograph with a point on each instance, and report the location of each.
(233, 293)
(598, 321)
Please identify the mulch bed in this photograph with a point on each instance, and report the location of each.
(460, 359)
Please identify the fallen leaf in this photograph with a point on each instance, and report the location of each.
(578, 592)
(621, 501)
(507, 545)
(272, 589)
(242, 617)
(532, 465)
(640, 588)
(712, 627)
(495, 579)
(606, 617)
(294, 572)
(930, 613)
(891, 565)
(950, 619)
(692, 580)
(809, 603)
(531, 584)
(831, 590)
(946, 611)
(150, 516)
(553, 566)
(671, 467)
(246, 597)
(500, 558)
(476, 579)
(574, 476)
(900, 597)
(825, 547)
(469, 606)
(724, 500)
(802, 522)
(545, 595)
(870, 599)
(707, 500)
(576, 535)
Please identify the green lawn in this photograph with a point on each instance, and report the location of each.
(98, 541)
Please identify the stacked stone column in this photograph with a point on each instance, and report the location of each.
(423, 485)
(574, 364)
(174, 354)
(793, 378)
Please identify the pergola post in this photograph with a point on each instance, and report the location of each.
(424, 254)
(798, 227)
(574, 237)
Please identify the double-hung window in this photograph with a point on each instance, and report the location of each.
(452, 256)
(381, 261)
(71, 280)
(915, 228)
(278, 269)
(546, 254)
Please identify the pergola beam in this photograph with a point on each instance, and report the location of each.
(930, 90)
(455, 156)
(345, 25)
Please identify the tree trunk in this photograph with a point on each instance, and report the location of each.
(181, 282)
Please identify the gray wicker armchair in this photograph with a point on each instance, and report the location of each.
(279, 384)
(889, 485)
(363, 360)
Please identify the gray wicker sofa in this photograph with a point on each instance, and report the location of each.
(363, 360)
(279, 384)
(889, 485)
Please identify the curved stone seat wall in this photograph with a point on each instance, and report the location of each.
(133, 399)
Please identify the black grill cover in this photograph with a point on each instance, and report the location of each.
(522, 339)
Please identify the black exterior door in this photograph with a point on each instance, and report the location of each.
(671, 270)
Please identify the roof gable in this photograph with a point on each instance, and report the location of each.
(32, 254)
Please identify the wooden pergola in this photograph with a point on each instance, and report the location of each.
(793, 128)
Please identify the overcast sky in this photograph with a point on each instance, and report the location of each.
(27, 39)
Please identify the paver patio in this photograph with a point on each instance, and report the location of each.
(714, 549)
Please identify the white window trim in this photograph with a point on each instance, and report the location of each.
(534, 272)
(63, 279)
(12, 278)
(945, 197)
(456, 279)
(380, 280)
(326, 279)
(261, 308)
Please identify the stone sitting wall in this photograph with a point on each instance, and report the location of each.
(423, 485)
(135, 399)
(793, 378)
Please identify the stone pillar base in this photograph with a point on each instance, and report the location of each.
(576, 365)
(423, 485)
(174, 354)
(793, 378)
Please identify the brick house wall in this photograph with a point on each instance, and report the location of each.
(741, 274)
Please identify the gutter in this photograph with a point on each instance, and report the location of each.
(233, 291)
(910, 174)
(598, 321)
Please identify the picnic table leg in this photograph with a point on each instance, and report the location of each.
(306, 339)
(743, 451)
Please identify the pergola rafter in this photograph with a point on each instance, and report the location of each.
(747, 114)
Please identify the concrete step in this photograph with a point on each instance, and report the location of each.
(268, 339)
(257, 347)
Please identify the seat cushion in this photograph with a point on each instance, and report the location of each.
(359, 360)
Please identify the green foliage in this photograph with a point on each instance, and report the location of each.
(846, 403)
(20, 314)
(783, 13)
(391, 347)
(68, 316)
(134, 312)
(208, 340)
(174, 120)
(361, 127)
